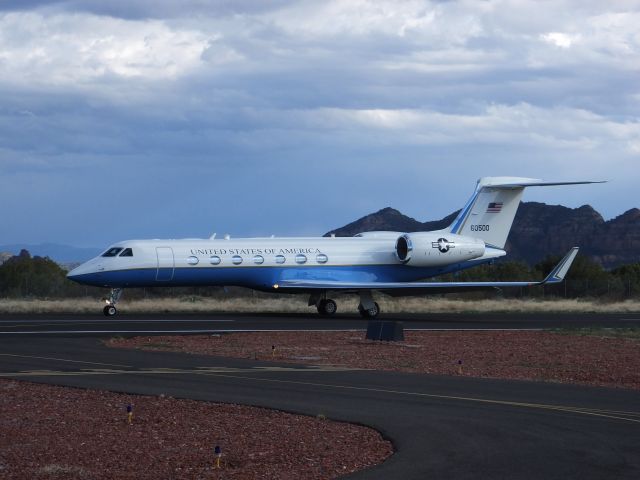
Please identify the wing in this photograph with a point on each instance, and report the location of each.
(556, 276)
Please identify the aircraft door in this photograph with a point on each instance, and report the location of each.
(166, 264)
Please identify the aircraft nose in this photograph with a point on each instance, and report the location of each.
(79, 271)
(73, 274)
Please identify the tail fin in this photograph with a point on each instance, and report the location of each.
(490, 211)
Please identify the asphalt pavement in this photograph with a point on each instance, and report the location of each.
(92, 325)
(441, 426)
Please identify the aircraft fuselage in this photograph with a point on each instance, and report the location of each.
(261, 263)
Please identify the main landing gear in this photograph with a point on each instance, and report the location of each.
(110, 309)
(369, 312)
(368, 308)
(327, 307)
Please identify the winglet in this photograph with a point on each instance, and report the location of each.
(560, 271)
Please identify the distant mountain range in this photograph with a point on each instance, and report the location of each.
(63, 254)
(538, 230)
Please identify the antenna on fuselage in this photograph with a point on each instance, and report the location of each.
(212, 237)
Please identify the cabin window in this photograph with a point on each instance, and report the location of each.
(322, 258)
(236, 259)
(300, 258)
(112, 252)
(215, 260)
(280, 259)
(258, 259)
(127, 252)
(192, 260)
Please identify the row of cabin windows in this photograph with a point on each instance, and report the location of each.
(259, 259)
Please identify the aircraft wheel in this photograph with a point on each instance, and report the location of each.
(371, 313)
(327, 307)
(109, 311)
(330, 307)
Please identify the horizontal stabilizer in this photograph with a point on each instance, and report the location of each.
(557, 275)
(515, 182)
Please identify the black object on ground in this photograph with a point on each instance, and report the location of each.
(388, 331)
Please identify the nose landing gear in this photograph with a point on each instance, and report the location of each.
(110, 310)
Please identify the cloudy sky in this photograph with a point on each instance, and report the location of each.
(159, 118)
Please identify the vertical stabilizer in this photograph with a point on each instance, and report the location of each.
(490, 211)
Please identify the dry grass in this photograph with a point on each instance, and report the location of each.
(298, 304)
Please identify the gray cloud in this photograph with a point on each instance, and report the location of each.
(279, 117)
(146, 9)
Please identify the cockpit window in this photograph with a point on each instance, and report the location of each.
(112, 252)
(127, 252)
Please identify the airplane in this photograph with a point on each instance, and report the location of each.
(395, 263)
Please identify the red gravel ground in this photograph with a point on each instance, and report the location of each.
(50, 432)
(546, 356)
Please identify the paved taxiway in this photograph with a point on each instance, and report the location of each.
(78, 325)
(443, 427)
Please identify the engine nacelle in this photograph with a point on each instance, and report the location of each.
(437, 249)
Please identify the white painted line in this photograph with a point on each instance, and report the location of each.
(35, 332)
(474, 329)
(264, 330)
(91, 321)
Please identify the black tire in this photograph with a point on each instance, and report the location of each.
(371, 313)
(109, 311)
(374, 312)
(330, 307)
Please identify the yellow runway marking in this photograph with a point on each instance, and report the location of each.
(160, 371)
(62, 360)
(580, 410)
(227, 372)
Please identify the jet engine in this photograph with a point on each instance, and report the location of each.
(434, 249)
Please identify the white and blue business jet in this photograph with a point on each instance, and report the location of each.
(389, 262)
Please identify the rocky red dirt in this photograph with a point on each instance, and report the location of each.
(546, 356)
(51, 432)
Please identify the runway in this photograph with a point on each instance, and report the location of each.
(124, 325)
(442, 427)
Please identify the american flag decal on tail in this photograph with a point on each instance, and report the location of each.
(494, 207)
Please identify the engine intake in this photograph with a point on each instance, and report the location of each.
(404, 247)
